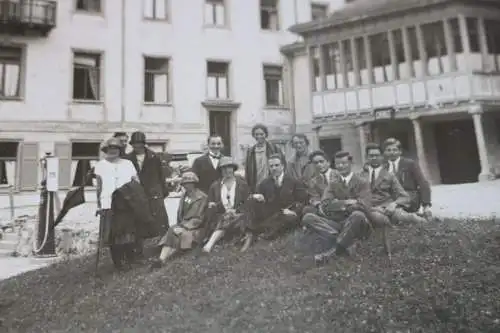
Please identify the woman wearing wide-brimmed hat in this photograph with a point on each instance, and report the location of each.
(112, 173)
(226, 198)
(189, 228)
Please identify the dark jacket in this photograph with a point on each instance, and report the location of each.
(241, 195)
(386, 189)
(291, 194)
(153, 180)
(131, 213)
(412, 179)
(250, 164)
(207, 174)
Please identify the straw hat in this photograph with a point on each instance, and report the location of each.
(189, 177)
(227, 161)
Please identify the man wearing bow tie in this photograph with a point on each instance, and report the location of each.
(206, 167)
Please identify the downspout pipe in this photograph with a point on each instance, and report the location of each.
(123, 76)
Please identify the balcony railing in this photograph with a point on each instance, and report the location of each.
(435, 90)
(17, 16)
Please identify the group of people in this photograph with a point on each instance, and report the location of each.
(318, 192)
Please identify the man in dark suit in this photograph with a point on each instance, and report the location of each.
(389, 199)
(278, 203)
(150, 172)
(409, 175)
(344, 209)
(206, 167)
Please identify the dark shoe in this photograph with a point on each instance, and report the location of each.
(156, 264)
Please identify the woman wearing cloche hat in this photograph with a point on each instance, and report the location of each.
(189, 228)
(226, 198)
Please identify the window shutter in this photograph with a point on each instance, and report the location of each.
(29, 166)
(62, 150)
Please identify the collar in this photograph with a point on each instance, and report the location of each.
(347, 178)
(327, 172)
(212, 155)
(377, 169)
(396, 161)
(280, 177)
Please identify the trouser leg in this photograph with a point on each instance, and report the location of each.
(355, 227)
(321, 225)
(116, 254)
(400, 215)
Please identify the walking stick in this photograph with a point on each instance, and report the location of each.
(99, 241)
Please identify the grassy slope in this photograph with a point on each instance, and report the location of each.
(444, 278)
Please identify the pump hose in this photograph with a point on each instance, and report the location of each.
(47, 228)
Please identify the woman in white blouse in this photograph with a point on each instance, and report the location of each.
(113, 172)
(225, 202)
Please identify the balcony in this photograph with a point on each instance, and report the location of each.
(27, 17)
(436, 90)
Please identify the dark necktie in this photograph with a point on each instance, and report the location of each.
(325, 178)
(217, 157)
(372, 180)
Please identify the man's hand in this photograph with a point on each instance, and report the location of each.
(289, 212)
(391, 207)
(258, 197)
(177, 230)
(99, 212)
(231, 211)
(350, 202)
(212, 204)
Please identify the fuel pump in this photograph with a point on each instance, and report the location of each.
(45, 242)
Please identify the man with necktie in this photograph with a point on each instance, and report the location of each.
(206, 167)
(389, 199)
(277, 203)
(410, 177)
(342, 216)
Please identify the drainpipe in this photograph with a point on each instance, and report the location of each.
(289, 60)
(123, 76)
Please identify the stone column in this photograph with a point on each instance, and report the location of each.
(477, 116)
(421, 49)
(450, 47)
(355, 62)
(419, 144)
(362, 139)
(483, 42)
(408, 51)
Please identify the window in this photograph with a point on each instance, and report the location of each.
(435, 48)
(215, 13)
(156, 80)
(10, 72)
(86, 76)
(493, 41)
(317, 86)
(273, 81)
(418, 69)
(348, 63)
(84, 156)
(333, 68)
(93, 6)
(218, 80)
(381, 58)
(318, 11)
(8, 162)
(473, 32)
(364, 75)
(457, 36)
(269, 15)
(402, 70)
(155, 9)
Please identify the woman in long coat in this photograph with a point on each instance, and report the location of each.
(226, 199)
(256, 168)
(189, 228)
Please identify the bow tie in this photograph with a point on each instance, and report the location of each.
(215, 156)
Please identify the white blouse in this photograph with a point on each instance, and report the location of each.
(228, 195)
(113, 176)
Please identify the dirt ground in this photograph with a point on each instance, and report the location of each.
(444, 278)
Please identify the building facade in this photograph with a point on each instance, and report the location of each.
(424, 71)
(73, 72)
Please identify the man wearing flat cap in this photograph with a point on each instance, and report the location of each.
(189, 228)
(149, 168)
